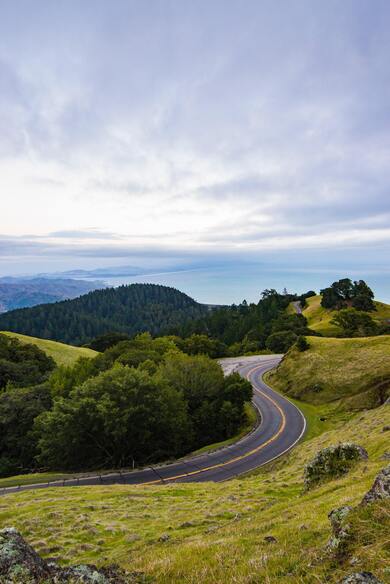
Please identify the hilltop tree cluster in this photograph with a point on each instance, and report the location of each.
(347, 294)
(142, 400)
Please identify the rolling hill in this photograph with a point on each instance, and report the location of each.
(130, 309)
(61, 353)
(319, 318)
(355, 371)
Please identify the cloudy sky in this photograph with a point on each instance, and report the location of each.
(194, 133)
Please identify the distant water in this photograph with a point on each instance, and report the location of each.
(228, 284)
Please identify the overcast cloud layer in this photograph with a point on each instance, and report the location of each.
(194, 132)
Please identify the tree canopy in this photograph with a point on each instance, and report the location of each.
(345, 293)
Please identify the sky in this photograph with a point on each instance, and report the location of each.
(222, 137)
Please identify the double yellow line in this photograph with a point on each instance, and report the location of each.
(242, 456)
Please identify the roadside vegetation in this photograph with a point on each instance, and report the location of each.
(260, 528)
(141, 401)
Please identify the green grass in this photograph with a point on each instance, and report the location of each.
(216, 531)
(355, 371)
(32, 479)
(250, 423)
(319, 318)
(61, 353)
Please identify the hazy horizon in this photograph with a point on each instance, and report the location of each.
(234, 145)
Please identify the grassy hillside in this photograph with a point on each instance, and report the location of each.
(356, 371)
(319, 318)
(61, 353)
(212, 533)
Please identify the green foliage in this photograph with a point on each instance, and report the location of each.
(120, 415)
(355, 323)
(18, 409)
(281, 341)
(127, 309)
(22, 364)
(141, 400)
(302, 344)
(345, 293)
(201, 344)
(103, 342)
(332, 462)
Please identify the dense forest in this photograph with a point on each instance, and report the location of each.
(127, 309)
(142, 400)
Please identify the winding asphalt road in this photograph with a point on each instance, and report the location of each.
(282, 425)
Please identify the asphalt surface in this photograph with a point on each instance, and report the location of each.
(282, 425)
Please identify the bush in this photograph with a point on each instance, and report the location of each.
(280, 342)
(302, 344)
(355, 323)
(332, 462)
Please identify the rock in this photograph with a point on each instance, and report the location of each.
(385, 456)
(270, 539)
(18, 559)
(380, 489)
(360, 578)
(385, 428)
(340, 529)
(164, 537)
(20, 563)
(332, 462)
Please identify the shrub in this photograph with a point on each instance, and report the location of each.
(332, 462)
(302, 344)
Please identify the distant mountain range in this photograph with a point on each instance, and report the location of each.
(129, 309)
(110, 272)
(25, 292)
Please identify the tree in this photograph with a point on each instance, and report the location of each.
(121, 414)
(202, 345)
(344, 293)
(103, 342)
(18, 409)
(22, 364)
(280, 342)
(363, 296)
(329, 298)
(355, 323)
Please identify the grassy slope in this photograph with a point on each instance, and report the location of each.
(216, 531)
(319, 318)
(352, 369)
(61, 353)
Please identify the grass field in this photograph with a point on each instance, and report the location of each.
(61, 353)
(214, 533)
(356, 371)
(319, 318)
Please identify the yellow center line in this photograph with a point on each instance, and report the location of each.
(242, 456)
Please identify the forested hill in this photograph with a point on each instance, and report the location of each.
(130, 309)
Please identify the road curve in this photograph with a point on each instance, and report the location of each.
(282, 425)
